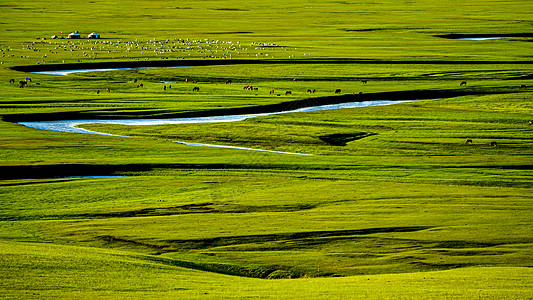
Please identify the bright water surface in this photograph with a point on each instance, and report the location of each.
(72, 125)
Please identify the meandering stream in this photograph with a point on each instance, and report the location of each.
(72, 126)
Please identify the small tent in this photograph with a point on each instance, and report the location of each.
(74, 35)
(94, 35)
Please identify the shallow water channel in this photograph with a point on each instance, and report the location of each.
(72, 126)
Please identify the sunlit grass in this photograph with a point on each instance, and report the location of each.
(391, 200)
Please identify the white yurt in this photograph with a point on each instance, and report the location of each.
(74, 35)
(94, 35)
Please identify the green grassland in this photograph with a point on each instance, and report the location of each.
(388, 202)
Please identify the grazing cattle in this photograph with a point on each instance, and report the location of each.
(97, 92)
(492, 144)
(271, 92)
(108, 90)
(140, 85)
(309, 91)
(522, 86)
(295, 79)
(194, 81)
(530, 123)
(255, 89)
(22, 83)
(228, 81)
(195, 89)
(469, 141)
(164, 87)
(135, 80)
(11, 80)
(337, 91)
(288, 93)
(364, 81)
(313, 91)
(462, 83)
(186, 80)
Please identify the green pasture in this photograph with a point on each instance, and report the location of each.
(388, 202)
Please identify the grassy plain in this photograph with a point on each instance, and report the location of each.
(391, 203)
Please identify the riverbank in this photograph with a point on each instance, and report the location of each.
(270, 108)
(213, 62)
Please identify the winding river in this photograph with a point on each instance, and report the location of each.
(72, 126)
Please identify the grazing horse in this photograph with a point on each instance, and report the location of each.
(22, 83)
(228, 81)
(11, 80)
(195, 89)
(309, 91)
(108, 90)
(363, 81)
(288, 93)
(140, 85)
(271, 92)
(522, 86)
(492, 144)
(313, 91)
(469, 141)
(462, 83)
(337, 91)
(135, 80)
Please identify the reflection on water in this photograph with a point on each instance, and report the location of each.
(488, 38)
(238, 148)
(67, 72)
(72, 125)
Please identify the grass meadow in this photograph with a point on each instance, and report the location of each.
(389, 202)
